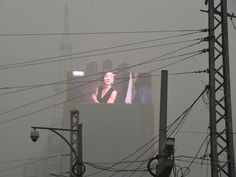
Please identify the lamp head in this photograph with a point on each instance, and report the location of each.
(169, 145)
(34, 135)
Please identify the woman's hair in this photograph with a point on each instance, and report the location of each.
(104, 73)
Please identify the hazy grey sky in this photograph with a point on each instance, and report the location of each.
(47, 16)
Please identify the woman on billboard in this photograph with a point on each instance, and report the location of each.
(105, 93)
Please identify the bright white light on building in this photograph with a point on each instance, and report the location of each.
(78, 73)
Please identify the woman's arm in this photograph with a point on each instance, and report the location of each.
(94, 96)
(112, 97)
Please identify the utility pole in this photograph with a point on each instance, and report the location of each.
(166, 145)
(165, 164)
(76, 142)
(221, 130)
(163, 113)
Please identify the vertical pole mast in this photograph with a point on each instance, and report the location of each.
(75, 141)
(222, 150)
(213, 135)
(163, 114)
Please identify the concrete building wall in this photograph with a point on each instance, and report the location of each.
(112, 132)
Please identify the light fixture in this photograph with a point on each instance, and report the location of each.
(78, 73)
(170, 143)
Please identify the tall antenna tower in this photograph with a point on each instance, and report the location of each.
(55, 145)
(64, 66)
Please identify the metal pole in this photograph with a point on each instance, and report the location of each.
(227, 91)
(80, 151)
(214, 157)
(163, 114)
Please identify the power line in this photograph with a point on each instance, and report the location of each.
(231, 18)
(170, 126)
(96, 173)
(32, 162)
(150, 60)
(200, 52)
(198, 151)
(98, 33)
(54, 59)
(30, 87)
(197, 158)
(35, 158)
(67, 81)
(178, 122)
(123, 169)
(121, 161)
(44, 98)
(117, 170)
(42, 109)
(101, 49)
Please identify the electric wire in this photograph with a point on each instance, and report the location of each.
(123, 160)
(65, 81)
(231, 19)
(44, 98)
(185, 114)
(94, 50)
(170, 126)
(30, 63)
(178, 122)
(42, 109)
(133, 65)
(45, 108)
(176, 172)
(105, 168)
(149, 148)
(68, 81)
(99, 33)
(194, 55)
(139, 157)
(142, 63)
(136, 158)
(205, 155)
(30, 87)
(207, 145)
(194, 162)
(61, 155)
(198, 158)
(31, 161)
(34, 160)
(186, 172)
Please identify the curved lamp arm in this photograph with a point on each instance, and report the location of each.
(68, 143)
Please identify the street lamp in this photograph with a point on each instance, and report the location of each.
(34, 135)
(165, 160)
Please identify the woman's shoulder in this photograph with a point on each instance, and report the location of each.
(112, 89)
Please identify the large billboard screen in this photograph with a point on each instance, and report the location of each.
(109, 87)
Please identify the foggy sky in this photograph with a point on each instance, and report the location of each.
(47, 16)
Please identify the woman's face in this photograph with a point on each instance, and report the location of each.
(108, 78)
